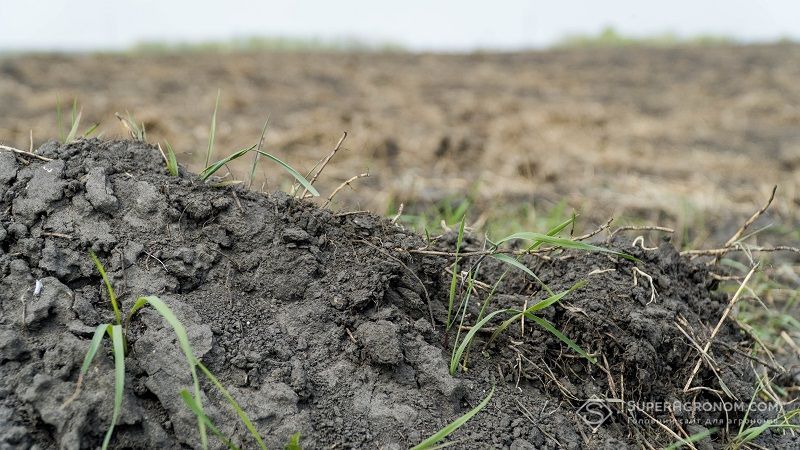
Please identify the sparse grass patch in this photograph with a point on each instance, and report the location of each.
(506, 219)
(172, 160)
(119, 346)
(535, 241)
(212, 168)
(136, 130)
(747, 435)
(449, 211)
(454, 278)
(68, 136)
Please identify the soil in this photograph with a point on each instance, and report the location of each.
(323, 323)
(692, 138)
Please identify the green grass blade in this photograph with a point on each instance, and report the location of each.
(453, 426)
(460, 211)
(504, 326)
(537, 307)
(76, 122)
(119, 379)
(140, 303)
(491, 294)
(750, 405)
(74, 109)
(245, 420)
(516, 263)
(554, 231)
(570, 343)
(111, 294)
(691, 439)
(297, 175)
(257, 154)
(456, 358)
(294, 442)
(555, 298)
(563, 243)
(183, 341)
(213, 132)
(454, 279)
(91, 129)
(210, 170)
(462, 308)
(201, 415)
(60, 120)
(97, 339)
(781, 423)
(172, 160)
(137, 130)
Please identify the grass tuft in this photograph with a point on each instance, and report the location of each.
(462, 345)
(117, 336)
(529, 314)
(782, 422)
(172, 160)
(76, 121)
(137, 131)
(456, 357)
(213, 168)
(70, 136)
(454, 279)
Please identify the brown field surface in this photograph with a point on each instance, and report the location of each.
(692, 138)
(354, 332)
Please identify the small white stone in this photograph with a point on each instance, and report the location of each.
(37, 289)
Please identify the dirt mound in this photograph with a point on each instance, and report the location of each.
(317, 322)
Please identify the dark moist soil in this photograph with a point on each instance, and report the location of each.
(318, 322)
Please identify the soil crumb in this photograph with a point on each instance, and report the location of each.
(327, 324)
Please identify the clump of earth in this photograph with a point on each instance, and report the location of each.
(327, 324)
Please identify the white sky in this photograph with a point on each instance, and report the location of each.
(417, 24)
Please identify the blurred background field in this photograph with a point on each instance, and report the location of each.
(514, 115)
(691, 135)
(682, 114)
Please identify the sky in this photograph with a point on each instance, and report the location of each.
(426, 25)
